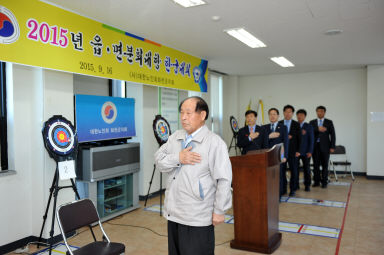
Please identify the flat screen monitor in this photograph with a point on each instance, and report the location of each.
(101, 118)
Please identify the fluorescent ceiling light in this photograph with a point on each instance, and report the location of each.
(189, 3)
(282, 61)
(244, 36)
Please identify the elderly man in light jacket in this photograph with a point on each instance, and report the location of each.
(199, 182)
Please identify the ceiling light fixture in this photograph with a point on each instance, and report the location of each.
(245, 37)
(189, 3)
(282, 61)
(333, 32)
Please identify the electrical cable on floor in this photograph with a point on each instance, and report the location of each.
(133, 226)
(127, 225)
(25, 249)
(223, 243)
(78, 233)
(118, 217)
(42, 243)
(115, 224)
(21, 251)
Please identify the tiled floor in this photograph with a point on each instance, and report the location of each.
(145, 232)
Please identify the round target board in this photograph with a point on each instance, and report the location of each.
(234, 125)
(161, 129)
(59, 136)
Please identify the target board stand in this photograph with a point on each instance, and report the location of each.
(162, 131)
(60, 140)
(235, 131)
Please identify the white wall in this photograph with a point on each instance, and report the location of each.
(375, 137)
(230, 107)
(58, 100)
(146, 108)
(150, 145)
(34, 95)
(17, 190)
(183, 94)
(88, 85)
(343, 93)
(135, 90)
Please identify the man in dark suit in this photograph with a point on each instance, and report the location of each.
(293, 128)
(251, 137)
(325, 139)
(277, 133)
(307, 141)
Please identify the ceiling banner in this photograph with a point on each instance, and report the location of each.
(39, 34)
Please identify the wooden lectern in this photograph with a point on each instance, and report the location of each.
(256, 200)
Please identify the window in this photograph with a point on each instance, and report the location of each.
(3, 119)
(117, 88)
(216, 108)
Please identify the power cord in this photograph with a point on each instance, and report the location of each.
(22, 250)
(25, 249)
(223, 243)
(133, 226)
(78, 233)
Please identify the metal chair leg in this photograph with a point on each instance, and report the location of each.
(353, 177)
(334, 170)
(345, 169)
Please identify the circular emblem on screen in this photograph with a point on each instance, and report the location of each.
(9, 28)
(59, 136)
(109, 112)
(161, 129)
(234, 125)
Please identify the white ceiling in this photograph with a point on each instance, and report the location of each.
(291, 28)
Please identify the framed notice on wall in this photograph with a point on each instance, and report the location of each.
(169, 107)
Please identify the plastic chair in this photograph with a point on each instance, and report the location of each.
(339, 158)
(81, 213)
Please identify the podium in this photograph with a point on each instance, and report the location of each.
(256, 200)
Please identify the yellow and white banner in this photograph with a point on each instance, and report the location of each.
(39, 34)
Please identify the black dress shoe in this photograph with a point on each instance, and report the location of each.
(292, 194)
(316, 184)
(324, 185)
(307, 188)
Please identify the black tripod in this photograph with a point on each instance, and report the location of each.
(161, 187)
(235, 130)
(234, 139)
(54, 190)
(159, 125)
